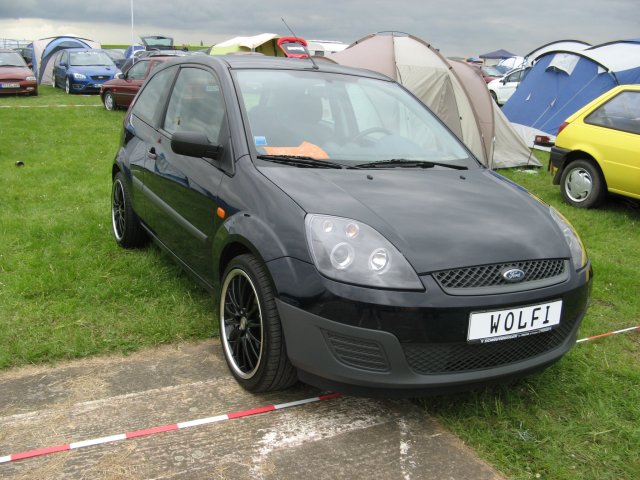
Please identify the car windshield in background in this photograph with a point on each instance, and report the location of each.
(491, 70)
(85, 59)
(11, 59)
(346, 119)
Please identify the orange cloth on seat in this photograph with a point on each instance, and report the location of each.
(305, 149)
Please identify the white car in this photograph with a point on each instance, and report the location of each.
(501, 89)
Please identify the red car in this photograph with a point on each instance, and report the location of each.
(15, 76)
(120, 92)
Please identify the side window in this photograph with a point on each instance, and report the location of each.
(137, 71)
(196, 104)
(622, 112)
(151, 97)
(514, 77)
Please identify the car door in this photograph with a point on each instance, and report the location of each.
(614, 129)
(129, 86)
(181, 190)
(140, 135)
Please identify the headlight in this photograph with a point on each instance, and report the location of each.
(353, 252)
(79, 76)
(578, 252)
(30, 79)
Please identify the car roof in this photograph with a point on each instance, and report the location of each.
(258, 61)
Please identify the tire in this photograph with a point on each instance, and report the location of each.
(494, 96)
(67, 86)
(125, 224)
(582, 184)
(108, 101)
(250, 329)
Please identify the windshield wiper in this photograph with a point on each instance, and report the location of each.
(405, 163)
(299, 161)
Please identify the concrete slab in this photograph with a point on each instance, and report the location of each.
(347, 437)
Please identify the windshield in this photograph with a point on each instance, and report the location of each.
(342, 118)
(493, 71)
(84, 59)
(11, 59)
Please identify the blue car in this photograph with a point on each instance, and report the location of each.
(83, 70)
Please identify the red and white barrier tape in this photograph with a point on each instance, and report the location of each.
(160, 429)
(204, 421)
(624, 330)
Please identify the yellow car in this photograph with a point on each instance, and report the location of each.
(597, 149)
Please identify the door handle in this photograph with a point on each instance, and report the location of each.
(151, 153)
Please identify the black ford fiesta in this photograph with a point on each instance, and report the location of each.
(351, 240)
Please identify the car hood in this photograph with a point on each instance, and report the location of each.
(439, 219)
(12, 73)
(95, 70)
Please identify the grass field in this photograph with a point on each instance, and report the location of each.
(67, 291)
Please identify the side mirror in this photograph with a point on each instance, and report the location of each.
(63, 64)
(504, 81)
(119, 75)
(194, 144)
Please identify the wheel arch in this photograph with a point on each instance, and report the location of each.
(244, 233)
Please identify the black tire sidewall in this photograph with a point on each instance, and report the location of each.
(133, 235)
(274, 357)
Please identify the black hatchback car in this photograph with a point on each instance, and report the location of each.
(352, 241)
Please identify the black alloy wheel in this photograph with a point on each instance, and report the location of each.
(250, 329)
(125, 224)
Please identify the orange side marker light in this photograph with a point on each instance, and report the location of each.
(221, 213)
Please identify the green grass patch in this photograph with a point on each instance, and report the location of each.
(67, 291)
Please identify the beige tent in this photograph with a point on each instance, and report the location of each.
(265, 43)
(453, 90)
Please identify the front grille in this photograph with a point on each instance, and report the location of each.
(100, 77)
(433, 358)
(356, 352)
(484, 276)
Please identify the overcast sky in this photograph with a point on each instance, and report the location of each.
(456, 27)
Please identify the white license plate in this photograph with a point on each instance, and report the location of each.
(497, 325)
(10, 85)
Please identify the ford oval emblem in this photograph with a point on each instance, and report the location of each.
(513, 275)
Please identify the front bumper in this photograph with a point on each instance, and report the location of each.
(396, 343)
(88, 85)
(14, 87)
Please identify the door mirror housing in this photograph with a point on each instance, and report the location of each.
(194, 144)
(119, 75)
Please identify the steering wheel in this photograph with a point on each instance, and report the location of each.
(369, 131)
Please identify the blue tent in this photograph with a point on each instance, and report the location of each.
(45, 49)
(563, 81)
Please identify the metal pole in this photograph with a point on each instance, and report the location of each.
(131, 22)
